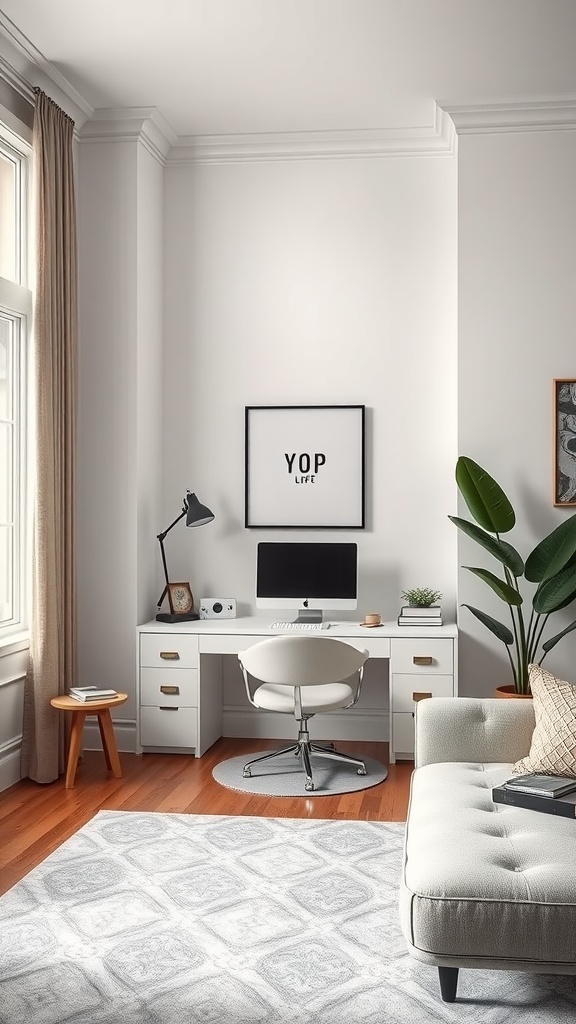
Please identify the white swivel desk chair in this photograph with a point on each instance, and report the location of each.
(303, 676)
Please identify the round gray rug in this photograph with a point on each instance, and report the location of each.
(284, 776)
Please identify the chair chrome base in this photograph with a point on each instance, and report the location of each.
(303, 748)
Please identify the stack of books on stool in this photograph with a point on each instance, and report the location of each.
(412, 615)
(553, 794)
(86, 694)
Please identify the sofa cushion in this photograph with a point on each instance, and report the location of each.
(485, 881)
(553, 747)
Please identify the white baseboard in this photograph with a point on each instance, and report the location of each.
(370, 726)
(125, 733)
(10, 763)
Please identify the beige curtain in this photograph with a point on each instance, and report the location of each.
(52, 664)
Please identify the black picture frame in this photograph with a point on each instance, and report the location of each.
(305, 467)
(564, 442)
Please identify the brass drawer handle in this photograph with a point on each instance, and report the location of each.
(422, 659)
(169, 689)
(167, 709)
(420, 695)
(170, 655)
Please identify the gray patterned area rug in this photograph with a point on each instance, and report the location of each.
(150, 918)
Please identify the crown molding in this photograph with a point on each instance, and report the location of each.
(21, 43)
(129, 124)
(538, 116)
(435, 140)
(16, 81)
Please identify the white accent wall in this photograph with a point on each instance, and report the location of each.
(433, 287)
(120, 400)
(313, 281)
(517, 311)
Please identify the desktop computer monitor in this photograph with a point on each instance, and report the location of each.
(310, 577)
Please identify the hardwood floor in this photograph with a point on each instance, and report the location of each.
(35, 819)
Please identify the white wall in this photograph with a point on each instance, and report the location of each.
(517, 309)
(149, 361)
(313, 282)
(210, 285)
(13, 666)
(120, 402)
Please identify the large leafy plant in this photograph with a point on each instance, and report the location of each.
(551, 566)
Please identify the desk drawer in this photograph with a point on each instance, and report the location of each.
(174, 687)
(435, 654)
(168, 727)
(405, 686)
(229, 643)
(377, 647)
(165, 650)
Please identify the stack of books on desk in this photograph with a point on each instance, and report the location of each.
(90, 693)
(411, 615)
(553, 794)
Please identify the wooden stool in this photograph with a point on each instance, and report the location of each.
(79, 712)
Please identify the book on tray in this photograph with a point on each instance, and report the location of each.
(425, 616)
(90, 693)
(414, 611)
(548, 786)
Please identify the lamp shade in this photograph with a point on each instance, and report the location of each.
(196, 513)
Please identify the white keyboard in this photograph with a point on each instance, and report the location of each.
(305, 626)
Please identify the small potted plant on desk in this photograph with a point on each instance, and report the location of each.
(551, 566)
(422, 607)
(421, 597)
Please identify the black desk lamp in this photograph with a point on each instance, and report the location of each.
(180, 596)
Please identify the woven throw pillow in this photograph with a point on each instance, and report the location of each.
(553, 747)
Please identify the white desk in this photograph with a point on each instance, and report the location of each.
(180, 676)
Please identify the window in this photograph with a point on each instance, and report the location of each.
(15, 330)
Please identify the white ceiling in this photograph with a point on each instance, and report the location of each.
(242, 66)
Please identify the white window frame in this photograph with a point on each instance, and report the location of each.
(16, 303)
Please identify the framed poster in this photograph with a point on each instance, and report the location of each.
(304, 466)
(564, 442)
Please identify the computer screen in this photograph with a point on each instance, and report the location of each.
(310, 577)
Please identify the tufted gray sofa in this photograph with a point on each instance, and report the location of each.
(484, 885)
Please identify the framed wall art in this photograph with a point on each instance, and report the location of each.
(565, 442)
(304, 466)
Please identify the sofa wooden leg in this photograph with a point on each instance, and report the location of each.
(448, 983)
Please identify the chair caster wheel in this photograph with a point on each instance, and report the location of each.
(361, 771)
(246, 774)
(308, 786)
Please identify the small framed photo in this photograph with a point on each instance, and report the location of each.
(565, 442)
(180, 598)
(304, 467)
